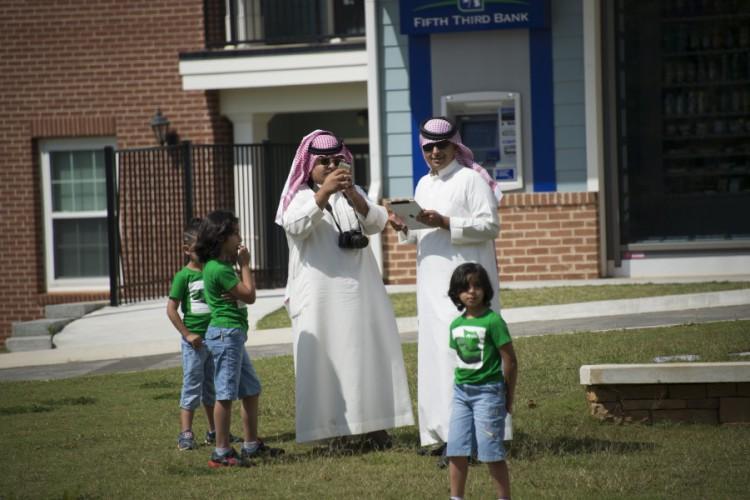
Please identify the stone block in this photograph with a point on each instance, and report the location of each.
(687, 391)
(706, 403)
(641, 391)
(600, 394)
(696, 416)
(721, 390)
(666, 373)
(734, 410)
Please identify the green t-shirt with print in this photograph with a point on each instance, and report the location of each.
(477, 342)
(218, 278)
(187, 288)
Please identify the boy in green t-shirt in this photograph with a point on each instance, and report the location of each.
(219, 247)
(197, 364)
(485, 381)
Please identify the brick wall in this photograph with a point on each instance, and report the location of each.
(84, 68)
(708, 403)
(543, 236)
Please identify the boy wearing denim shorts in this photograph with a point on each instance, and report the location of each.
(197, 365)
(219, 247)
(485, 379)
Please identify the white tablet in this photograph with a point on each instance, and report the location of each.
(408, 210)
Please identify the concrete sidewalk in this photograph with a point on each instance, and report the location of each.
(144, 331)
(524, 329)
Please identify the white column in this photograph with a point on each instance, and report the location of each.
(592, 73)
(373, 105)
(243, 131)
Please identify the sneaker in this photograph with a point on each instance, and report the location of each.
(186, 441)
(211, 438)
(231, 459)
(261, 451)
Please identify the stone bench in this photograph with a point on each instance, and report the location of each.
(710, 393)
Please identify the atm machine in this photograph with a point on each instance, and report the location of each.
(490, 125)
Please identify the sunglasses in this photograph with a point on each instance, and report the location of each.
(427, 148)
(326, 160)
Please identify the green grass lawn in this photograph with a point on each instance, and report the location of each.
(114, 436)
(405, 304)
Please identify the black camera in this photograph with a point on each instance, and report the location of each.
(353, 239)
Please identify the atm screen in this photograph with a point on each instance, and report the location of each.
(479, 133)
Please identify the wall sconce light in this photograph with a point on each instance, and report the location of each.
(160, 126)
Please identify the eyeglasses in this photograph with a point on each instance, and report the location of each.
(427, 148)
(326, 160)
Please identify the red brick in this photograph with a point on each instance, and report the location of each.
(641, 391)
(686, 415)
(605, 410)
(703, 403)
(734, 410)
(638, 416)
(687, 391)
(600, 394)
(653, 404)
(721, 390)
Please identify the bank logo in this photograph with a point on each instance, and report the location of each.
(471, 5)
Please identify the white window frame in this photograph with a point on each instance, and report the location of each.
(45, 148)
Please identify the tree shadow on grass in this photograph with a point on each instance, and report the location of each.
(174, 469)
(158, 384)
(166, 395)
(349, 446)
(46, 405)
(530, 447)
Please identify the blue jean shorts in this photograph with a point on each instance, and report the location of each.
(197, 377)
(234, 375)
(478, 422)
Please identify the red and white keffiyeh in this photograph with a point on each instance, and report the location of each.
(439, 129)
(315, 144)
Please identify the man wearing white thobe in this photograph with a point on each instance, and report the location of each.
(350, 376)
(459, 202)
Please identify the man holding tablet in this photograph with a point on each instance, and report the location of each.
(458, 201)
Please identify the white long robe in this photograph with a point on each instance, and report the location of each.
(462, 195)
(350, 376)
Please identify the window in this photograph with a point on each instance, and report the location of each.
(75, 213)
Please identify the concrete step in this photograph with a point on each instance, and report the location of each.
(32, 343)
(72, 310)
(35, 335)
(39, 327)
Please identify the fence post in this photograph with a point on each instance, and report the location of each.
(187, 170)
(113, 230)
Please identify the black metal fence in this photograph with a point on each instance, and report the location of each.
(153, 192)
(265, 22)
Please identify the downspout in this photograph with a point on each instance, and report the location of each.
(375, 191)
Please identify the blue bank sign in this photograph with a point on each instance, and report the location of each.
(419, 17)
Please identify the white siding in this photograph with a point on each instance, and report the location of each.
(397, 160)
(569, 95)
